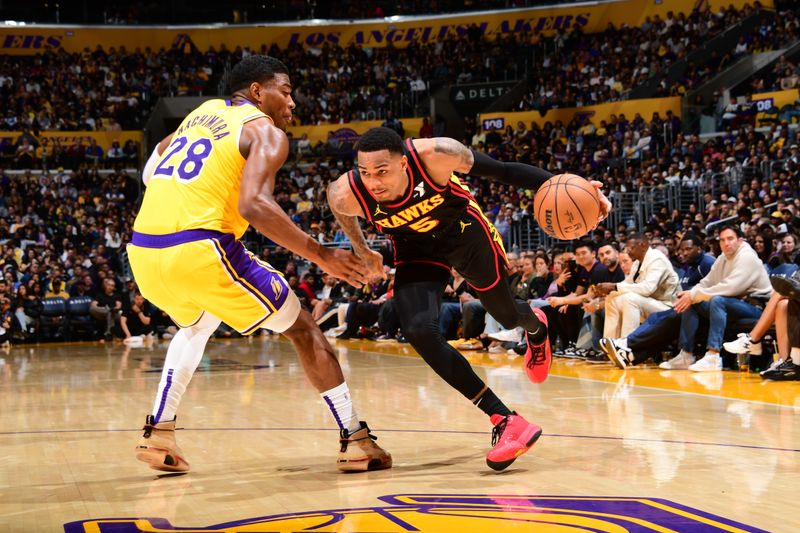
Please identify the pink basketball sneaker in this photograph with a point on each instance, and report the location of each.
(538, 357)
(511, 437)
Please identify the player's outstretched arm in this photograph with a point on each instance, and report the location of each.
(265, 147)
(346, 209)
(443, 155)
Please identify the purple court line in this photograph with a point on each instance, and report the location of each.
(557, 435)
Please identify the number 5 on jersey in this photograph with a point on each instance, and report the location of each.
(191, 159)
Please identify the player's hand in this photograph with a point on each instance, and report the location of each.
(605, 203)
(374, 264)
(344, 265)
(683, 302)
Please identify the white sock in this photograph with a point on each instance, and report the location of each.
(341, 406)
(795, 355)
(183, 355)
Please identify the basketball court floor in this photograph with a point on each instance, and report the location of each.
(642, 450)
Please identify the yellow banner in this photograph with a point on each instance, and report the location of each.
(766, 101)
(69, 138)
(398, 32)
(645, 107)
(350, 131)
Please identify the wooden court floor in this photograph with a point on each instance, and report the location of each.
(641, 450)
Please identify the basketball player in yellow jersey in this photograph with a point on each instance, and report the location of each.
(206, 183)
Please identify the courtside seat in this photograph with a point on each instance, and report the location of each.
(52, 322)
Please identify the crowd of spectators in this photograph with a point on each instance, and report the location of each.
(574, 69)
(62, 233)
(116, 88)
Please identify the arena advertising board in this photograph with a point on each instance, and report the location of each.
(645, 107)
(399, 32)
(778, 99)
(350, 131)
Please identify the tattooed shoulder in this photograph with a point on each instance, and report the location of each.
(445, 145)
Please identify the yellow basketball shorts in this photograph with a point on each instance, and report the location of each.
(195, 271)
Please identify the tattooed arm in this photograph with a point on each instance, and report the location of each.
(347, 210)
(441, 156)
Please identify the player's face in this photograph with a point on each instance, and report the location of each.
(384, 174)
(275, 99)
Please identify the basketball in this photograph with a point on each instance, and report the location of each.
(566, 206)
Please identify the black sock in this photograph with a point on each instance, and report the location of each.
(490, 404)
(538, 336)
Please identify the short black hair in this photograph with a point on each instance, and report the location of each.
(613, 244)
(255, 68)
(736, 229)
(584, 244)
(696, 239)
(380, 138)
(636, 236)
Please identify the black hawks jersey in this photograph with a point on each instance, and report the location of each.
(426, 206)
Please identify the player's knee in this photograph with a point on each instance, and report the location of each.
(206, 326)
(420, 330)
(716, 303)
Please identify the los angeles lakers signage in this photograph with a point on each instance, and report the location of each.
(398, 32)
(429, 513)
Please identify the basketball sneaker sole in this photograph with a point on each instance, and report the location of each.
(161, 459)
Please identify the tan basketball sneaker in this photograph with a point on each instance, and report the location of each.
(158, 447)
(359, 452)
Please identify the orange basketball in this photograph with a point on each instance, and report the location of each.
(566, 206)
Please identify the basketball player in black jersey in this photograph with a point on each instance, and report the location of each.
(408, 190)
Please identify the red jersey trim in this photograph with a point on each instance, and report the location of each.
(361, 201)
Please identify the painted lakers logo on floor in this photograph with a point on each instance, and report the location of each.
(463, 513)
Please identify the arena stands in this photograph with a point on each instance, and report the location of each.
(64, 230)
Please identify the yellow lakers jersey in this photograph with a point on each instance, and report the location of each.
(196, 182)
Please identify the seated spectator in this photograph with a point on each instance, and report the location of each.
(450, 310)
(652, 288)
(736, 287)
(788, 334)
(56, 290)
(106, 307)
(364, 309)
(594, 307)
(135, 321)
(661, 329)
(332, 294)
(584, 271)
